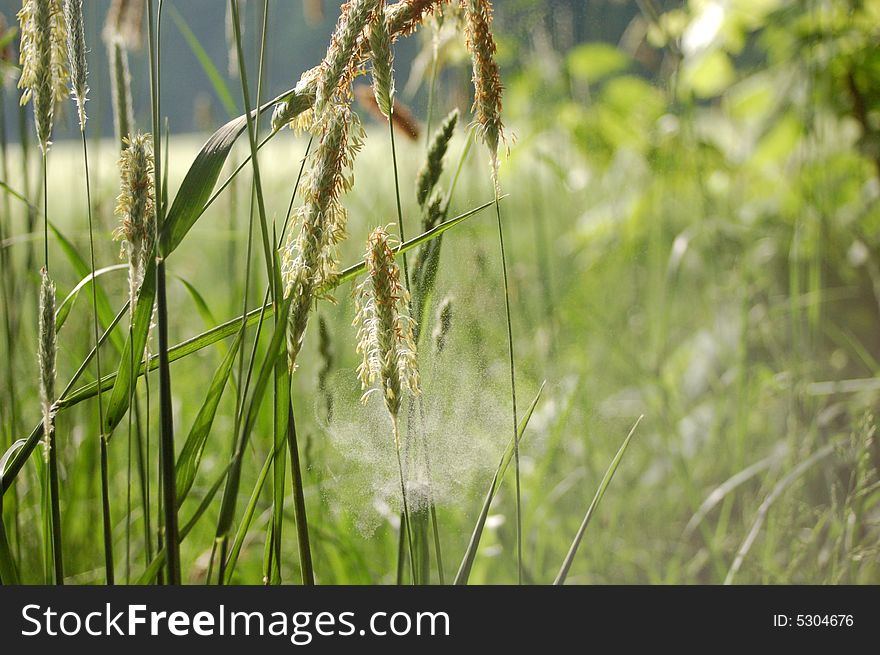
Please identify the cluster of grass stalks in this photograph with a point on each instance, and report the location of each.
(301, 267)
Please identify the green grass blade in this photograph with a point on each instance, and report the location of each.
(8, 570)
(133, 351)
(66, 305)
(230, 494)
(152, 571)
(195, 190)
(352, 272)
(190, 456)
(467, 562)
(214, 76)
(282, 405)
(600, 493)
(246, 519)
(83, 269)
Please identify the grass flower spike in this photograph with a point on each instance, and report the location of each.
(43, 59)
(338, 67)
(430, 173)
(76, 47)
(134, 207)
(310, 258)
(46, 354)
(486, 76)
(385, 332)
(382, 58)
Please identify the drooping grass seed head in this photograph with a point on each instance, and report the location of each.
(409, 14)
(403, 19)
(385, 331)
(134, 208)
(340, 63)
(486, 77)
(44, 61)
(76, 49)
(310, 259)
(382, 58)
(47, 352)
(430, 173)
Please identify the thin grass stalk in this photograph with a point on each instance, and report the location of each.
(169, 496)
(299, 503)
(487, 105)
(77, 55)
(252, 129)
(406, 528)
(256, 193)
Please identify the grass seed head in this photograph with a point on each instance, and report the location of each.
(382, 58)
(46, 355)
(385, 331)
(339, 66)
(430, 173)
(310, 258)
(486, 76)
(134, 207)
(76, 47)
(44, 61)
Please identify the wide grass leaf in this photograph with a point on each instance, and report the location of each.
(191, 454)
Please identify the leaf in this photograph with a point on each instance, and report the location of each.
(133, 351)
(248, 517)
(270, 358)
(470, 554)
(191, 454)
(8, 570)
(196, 187)
(600, 493)
(149, 575)
(710, 74)
(214, 76)
(83, 269)
(201, 306)
(63, 310)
